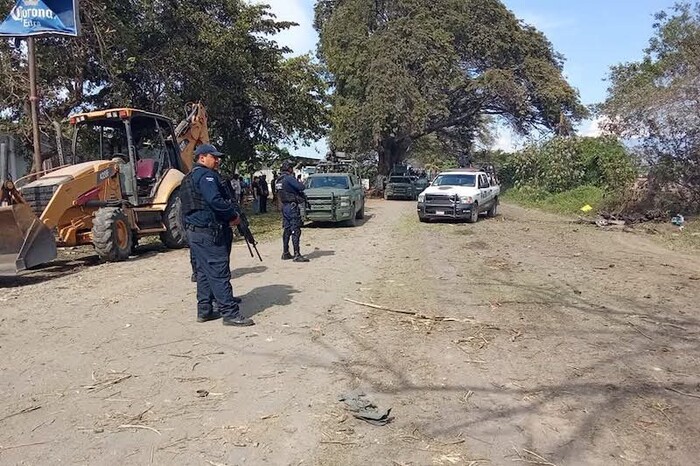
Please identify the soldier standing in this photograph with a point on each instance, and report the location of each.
(291, 193)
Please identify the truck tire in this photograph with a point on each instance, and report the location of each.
(111, 234)
(493, 211)
(361, 213)
(474, 213)
(352, 222)
(174, 236)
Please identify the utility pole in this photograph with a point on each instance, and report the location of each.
(33, 100)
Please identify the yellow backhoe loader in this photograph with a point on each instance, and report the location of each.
(122, 183)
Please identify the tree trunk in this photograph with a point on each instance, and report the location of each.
(390, 153)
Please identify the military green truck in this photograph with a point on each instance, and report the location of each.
(401, 187)
(421, 183)
(334, 197)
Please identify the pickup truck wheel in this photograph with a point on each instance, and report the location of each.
(493, 211)
(423, 219)
(352, 221)
(474, 217)
(361, 213)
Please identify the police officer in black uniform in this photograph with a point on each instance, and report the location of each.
(209, 216)
(291, 195)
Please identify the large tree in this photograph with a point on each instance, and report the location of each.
(655, 103)
(159, 54)
(404, 69)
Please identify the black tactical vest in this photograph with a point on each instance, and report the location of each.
(190, 196)
(286, 197)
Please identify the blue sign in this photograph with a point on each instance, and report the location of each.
(41, 17)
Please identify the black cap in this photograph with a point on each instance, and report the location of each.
(287, 165)
(207, 149)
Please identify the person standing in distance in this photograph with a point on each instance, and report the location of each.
(291, 194)
(273, 188)
(209, 216)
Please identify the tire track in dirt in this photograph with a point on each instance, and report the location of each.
(558, 353)
(568, 356)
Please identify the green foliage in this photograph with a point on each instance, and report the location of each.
(405, 69)
(657, 102)
(431, 153)
(562, 164)
(566, 202)
(158, 55)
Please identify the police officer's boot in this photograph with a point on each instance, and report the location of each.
(285, 245)
(299, 258)
(238, 321)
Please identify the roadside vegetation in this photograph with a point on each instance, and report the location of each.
(653, 106)
(566, 173)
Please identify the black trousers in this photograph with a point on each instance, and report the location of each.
(210, 257)
(291, 222)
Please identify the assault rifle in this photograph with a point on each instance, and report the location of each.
(243, 226)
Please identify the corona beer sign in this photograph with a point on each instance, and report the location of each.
(41, 17)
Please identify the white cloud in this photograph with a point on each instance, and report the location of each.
(301, 39)
(507, 140)
(317, 150)
(592, 128)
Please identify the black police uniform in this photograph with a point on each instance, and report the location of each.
(291, 193)
(207, 214)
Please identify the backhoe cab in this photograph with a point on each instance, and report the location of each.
(122, 184)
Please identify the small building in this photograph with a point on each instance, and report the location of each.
(13, 163)
(305, 166)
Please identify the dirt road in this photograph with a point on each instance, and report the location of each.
(563, 345)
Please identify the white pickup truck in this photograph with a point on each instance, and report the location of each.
(460, 194)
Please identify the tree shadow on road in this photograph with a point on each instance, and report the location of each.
(616, 391)
(263, 298)
(49, 271)
(593, 404)
(70, 262)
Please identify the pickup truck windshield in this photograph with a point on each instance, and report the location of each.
(455, 180)
(338, 182)
(399, 179)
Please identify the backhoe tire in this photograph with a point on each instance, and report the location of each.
(111, 234)
(361, 213)
(174, 236)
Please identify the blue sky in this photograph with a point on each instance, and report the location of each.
(592, 35)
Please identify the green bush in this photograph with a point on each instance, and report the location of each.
(562, 164)
(567, 202)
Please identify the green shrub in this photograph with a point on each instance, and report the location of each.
(563, 164)
(567, 202)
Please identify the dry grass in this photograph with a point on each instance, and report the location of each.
(675, 238)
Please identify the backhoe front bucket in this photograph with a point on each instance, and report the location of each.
(25, 241)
